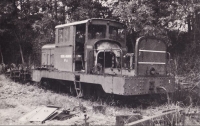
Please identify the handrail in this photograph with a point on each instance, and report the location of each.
(169, 62)
(161, 63)
(142, 50)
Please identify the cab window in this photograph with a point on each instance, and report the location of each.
(64, 35)
(116, 33)
(96, 31)
(60, 35)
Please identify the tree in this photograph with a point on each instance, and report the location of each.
(8, 11)
(84, 9)
(175, 20)
(17, 34)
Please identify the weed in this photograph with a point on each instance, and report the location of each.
(6, 105)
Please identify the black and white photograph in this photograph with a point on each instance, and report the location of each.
(100, 62)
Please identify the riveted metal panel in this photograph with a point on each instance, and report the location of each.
(132, 85)
(147, 85)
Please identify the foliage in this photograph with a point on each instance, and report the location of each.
(80, 10)
(29, 24)
(176, 21)
(26, 25)
(146, 17)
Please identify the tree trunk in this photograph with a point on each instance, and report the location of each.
(55, 6)
(14, 13)
(189, 24)
(2, 61)
(194, 30)
(55, 16)
(21, 53)
(51, 8)
(28, 7)
(63, 14)
(21, 7)
(29, 61)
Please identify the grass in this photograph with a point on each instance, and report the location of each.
(19, 99)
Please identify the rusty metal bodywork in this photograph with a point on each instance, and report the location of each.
(150, 53)
(48, 55)
(95, 50)
(113, 84)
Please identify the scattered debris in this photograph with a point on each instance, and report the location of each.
(193, 114)
(99, 109)
(29, 115)
(41, 114)
(85, 119)
(80, 107)
(167, 117)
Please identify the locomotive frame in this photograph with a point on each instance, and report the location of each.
(94, 52)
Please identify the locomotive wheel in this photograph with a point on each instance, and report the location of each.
(72, 90)
(97, 93)
(151, 100)
(183, 97)
(45, 84)
(86, 90)
(23, 77)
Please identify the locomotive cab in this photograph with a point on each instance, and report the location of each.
(83, 46)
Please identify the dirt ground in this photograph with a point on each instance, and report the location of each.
(18, 99)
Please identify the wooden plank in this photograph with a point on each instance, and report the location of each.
(29, 115)
(148, 120)
(121, 120)
(43, 114)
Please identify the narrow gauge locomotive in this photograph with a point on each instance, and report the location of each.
(93, 53)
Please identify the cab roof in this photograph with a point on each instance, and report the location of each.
(48, 46)
(85, 21)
